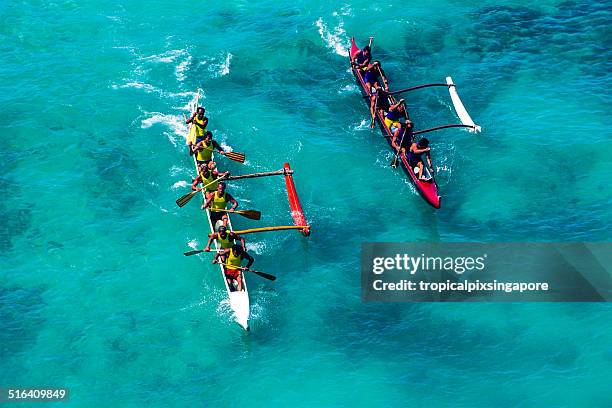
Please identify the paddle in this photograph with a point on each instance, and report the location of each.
(235, 156)
(250, 214)
(188, 132)
(375, 108)
(199, 251)
(242, 268)
(187, 197)
(405, 130)
(194, 252)
(394, 162)
(431, 170)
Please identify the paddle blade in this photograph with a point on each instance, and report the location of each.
(186, 198)
(394, 162)
(264, 275)
(194, 252)
(250, 214)
(237, 157)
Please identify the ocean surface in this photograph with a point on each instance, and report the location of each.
(96, 295)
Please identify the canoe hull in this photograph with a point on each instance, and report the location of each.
(239, 301)
(427, 189)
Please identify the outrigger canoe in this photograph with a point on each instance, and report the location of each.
(428, 189)
(238, 300)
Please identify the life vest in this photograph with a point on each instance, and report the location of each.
(233, 260)
(199, 132)
(219, 202)
(226, 242)
(209, 179)
(206, 153)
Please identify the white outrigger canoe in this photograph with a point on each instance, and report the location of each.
(238, 300)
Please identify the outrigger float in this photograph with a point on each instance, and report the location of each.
(428, 189)
(239, 300)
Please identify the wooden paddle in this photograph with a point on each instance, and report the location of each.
(199, 251)
(395, 158)
(235, 156)
(196, 103)
(375, 113)
(188, 132)
(431, 169)
(194, 252)
(250, 214)
(187, 197)
(242, 268)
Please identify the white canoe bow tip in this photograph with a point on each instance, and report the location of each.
(459, 107)
(239, 302)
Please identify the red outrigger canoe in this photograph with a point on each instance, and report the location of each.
(427, 189)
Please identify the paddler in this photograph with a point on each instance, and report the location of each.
(203, 148)
(378, 101)
(392, 118)
(232, 258)
(219, 200)
(417, 149)
(362, 58)
(199, 127)
(225, 238)
(403, 139)
(207, 174)
(373, 74)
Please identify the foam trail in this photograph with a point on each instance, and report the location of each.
(148, 88)
(166, 57)
(179, 184)
(256, 247)
(225, 67)
(179, 71)
(174, 122)
(335, 40)
(364, 124)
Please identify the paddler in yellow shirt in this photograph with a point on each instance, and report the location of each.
(219, 200)
(207, 174)
(199, 126)
(232, 258)
(203, 148)
(225, 239)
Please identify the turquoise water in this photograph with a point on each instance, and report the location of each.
(95, 293)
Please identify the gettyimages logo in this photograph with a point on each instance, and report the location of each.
(486, 272)
(413, 264)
